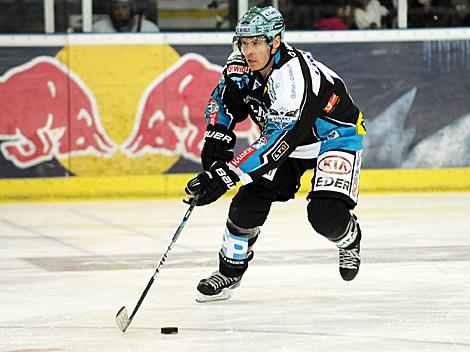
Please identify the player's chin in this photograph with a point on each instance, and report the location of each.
(254, 65)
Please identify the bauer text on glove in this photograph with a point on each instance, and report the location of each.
(218, 145)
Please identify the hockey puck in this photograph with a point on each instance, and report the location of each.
(169, 330)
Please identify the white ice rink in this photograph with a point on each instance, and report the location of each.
(66, 269)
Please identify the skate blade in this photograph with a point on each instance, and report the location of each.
(222, 296)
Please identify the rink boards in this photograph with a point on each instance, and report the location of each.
(417, 132)
(172, 186)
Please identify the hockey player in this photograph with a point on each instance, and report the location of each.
(307, 121)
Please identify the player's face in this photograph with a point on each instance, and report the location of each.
(256, 51)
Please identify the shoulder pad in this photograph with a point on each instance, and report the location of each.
(236, 57)
(236, 65)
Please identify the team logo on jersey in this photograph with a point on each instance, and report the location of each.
(240, 158)
(212, 111)
(333, 164)
(262, 141)
(338, 171)
(333, 134)
(282, 119)
(237, 69)
(280, 151)
(334, 99)
(292, 81)
(355, 180)
(360, 124)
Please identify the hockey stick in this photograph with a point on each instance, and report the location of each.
(122, 319)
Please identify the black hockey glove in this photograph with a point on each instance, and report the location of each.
(211, 185)
(218, 145)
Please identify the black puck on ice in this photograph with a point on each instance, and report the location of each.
(169, 330)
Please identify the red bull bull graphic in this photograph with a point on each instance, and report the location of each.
(47, 111)
(50, 113)
(170, 116)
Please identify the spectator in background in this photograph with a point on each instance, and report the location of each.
(123, 17)
(346, 12)
(390, 21)
(330, 19)
(369, 14)
(463, 10)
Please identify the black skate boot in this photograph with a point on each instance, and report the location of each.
(349, 262)
(349, 257)
(217, 287)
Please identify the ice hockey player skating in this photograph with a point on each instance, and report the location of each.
(307, 121)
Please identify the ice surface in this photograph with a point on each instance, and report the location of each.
(67, 268)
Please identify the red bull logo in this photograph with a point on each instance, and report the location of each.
(48, 111)
(170, 117)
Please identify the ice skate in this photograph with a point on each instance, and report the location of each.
(349, 257)
(217, 287)
(349, 262)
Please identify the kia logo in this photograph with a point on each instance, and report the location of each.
(335, 165)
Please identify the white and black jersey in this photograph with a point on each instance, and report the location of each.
(302, 108)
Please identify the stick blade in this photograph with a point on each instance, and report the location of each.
(122, 319)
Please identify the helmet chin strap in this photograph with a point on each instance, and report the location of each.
(267, 64)
(271, 56)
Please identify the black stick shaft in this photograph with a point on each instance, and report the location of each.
(162, 260)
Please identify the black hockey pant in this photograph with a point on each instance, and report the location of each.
(329, 214)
